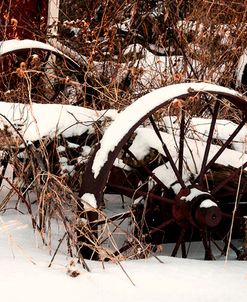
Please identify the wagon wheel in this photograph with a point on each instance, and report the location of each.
(183, 179)
(35, 71)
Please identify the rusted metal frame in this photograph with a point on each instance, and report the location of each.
(151, 233)
(181, 143)
(225, 145)
(231, 245)
(55, 52)
(167, 153)
(111, 219)
(4, 163)
(123, 249)
(236, 217)
(224, 182)
(231, 192)
(209, 141)
(160, 227)
(50, 53)
(207, 245)
(226, 243)
(179, 241)
(217, 246)
(243, 252)
(148, 171)
(139, 193)
(183, 250)
(66, 60)
(97, 185)
(207, 106)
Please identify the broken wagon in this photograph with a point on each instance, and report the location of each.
(169, 171)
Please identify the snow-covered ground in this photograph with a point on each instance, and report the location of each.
(24, 261)
(25, 275)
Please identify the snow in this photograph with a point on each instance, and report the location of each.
(155, 70)
(60, 149)
(137, 110)
(14, 45)
(89, 200)
(35, 121)
(222, 31)
(192, 157)
(207, 203)
(167, 176)
(194, 192)
(26, 276)
(198, 129)
(25, 262)
(120, 164)
(65, 167)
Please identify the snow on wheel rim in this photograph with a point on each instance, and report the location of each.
(169, 184)
(138, 110)
(9, 46)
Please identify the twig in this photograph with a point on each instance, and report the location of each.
(233, 214)
(83, 262)
(54, 255)
(126, 273)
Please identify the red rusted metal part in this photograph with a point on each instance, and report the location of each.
(175, 210)
(23, 19)
(243, 253)
(184, 211)
(17, 53)
(97, 185)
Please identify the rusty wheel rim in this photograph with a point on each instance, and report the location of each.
(40, 75)
(195, 204)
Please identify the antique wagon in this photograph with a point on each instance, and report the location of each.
(169, 170)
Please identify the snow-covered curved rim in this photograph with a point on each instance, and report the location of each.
(9, 46)
(128, 118)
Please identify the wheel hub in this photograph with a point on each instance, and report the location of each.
(197, 208)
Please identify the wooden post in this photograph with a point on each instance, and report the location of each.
(52, 21)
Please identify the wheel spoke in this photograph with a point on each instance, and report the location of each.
(137, 193)
(179, 242)
(226, 144)
(206, 240)
(229, 178)
(160, 227)
(226, 243)
(183, 249)
(209, 141)
(112, 218)
(187, 208)
(181, 143)
(167, 153)
(148, 171)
